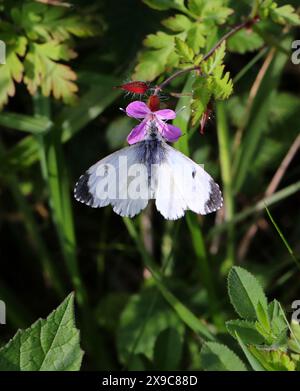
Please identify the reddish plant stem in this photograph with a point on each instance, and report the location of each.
(247, 24)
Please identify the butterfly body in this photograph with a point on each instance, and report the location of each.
(149, 169)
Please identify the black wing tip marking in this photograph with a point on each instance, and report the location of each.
(215, 201)
(82, 190)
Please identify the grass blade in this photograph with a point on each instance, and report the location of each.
(258, 207)
(226, 173)
(25, 123)
(285, 242)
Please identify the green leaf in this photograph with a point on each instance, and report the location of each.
(273, 360)
(43, 70)
(196, 37)
(255, 364)
(285, 15)
(278, 320)
(137, 336)
(185, 53)
(12, 70)
(215, 60)
(245, 293)
(168, 350)
(48, 345)
(217, 357)
(47, 23)
(25, 123)
(294, 341)
(153, 62)
(139, 362)
(244, 41)
(177, 23)
(201, 98)
(263, 316)
(213, 10)
(246, 330)
(221, 85)
(159, 40)
(162, 5)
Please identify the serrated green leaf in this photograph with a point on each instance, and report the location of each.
(221, 86)
(285, 15)
(215, 60)
(265, 7)
(159, 40)
(177, 23)
(42, 70)
(201, 97)
(245, 293)
(185, 53)
(213, 10)
(153, 62)
(162, 5)
(246, 330)
(48, 345)
(217, 357)
(244, 41)
(12, 70)
(47, 23)
(168, 350)
(196, 37)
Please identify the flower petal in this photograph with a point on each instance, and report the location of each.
(137, 109)
(138, 133)
(165, 114)
(171, 132)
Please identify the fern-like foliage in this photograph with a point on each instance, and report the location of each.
(39, 43)
(193, 30)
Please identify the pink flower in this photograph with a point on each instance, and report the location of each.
(140, 110)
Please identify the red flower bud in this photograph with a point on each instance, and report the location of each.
(136, 87)
(153, 103)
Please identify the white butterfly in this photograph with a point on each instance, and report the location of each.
(150, 169)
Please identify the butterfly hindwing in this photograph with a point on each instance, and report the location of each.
(183, 185)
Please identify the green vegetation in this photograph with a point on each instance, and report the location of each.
(208, 292)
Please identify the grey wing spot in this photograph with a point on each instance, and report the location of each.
(194, 173)
(215, 200)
